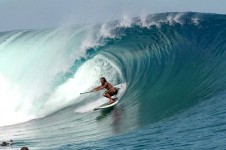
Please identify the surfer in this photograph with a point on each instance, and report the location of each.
(110, 89)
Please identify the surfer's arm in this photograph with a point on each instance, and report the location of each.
(99, 88)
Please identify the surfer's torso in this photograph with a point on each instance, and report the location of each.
(109, 87)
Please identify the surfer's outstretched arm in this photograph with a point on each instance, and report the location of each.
(101, 87)
(98, 88)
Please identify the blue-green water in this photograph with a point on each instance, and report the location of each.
(172, 63)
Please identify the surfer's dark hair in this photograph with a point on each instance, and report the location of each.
(24, 148)
(103, 78)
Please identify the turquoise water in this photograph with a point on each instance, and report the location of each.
(172, 63)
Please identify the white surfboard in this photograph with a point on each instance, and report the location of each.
(121, 90)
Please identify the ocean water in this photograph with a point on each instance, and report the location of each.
(173, 65)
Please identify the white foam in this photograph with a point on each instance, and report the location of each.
(105, 32)
(144, 22)
(178, 17)
(29, 67)
(86, 77)
(173, 19)
(195, 21)
(91, 105)
(10, 100)
(126, 21)
(86, 44)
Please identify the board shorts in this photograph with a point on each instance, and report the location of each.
(112, 93)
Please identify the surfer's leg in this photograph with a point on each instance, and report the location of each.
(106, 94)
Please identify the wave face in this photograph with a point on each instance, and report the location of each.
(170, 62)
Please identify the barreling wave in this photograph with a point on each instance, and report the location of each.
(169, 62)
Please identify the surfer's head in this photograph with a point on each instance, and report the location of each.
(24, 148)
(103, 80)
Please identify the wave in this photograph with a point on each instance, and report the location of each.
(169, 62)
